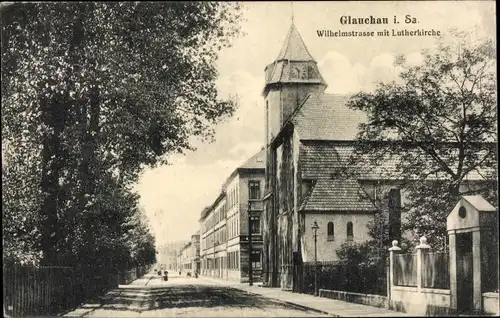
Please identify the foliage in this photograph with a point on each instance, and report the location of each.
(19, 215)
(439, 123)
(361, 268)
(345, 277)
(91, 94)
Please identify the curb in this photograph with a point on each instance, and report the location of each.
(290, 303)
(308, 308)
(149, 279)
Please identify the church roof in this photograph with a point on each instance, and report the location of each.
(327, 117)
(337, 195)
(294, 48)
(323, 159)
(320, 159)
(294, 64)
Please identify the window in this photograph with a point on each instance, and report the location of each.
(254, 190)
(256, 259)
(237, 260)
(255, 225)
(311, 72)
(331, 231)
(350, 233)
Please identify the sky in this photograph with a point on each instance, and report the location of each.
(174, 195)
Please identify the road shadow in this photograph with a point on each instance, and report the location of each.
(146, 298)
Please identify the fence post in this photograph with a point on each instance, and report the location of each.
(392, 251)
(421, 249)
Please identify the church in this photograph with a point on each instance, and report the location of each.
(310, 136)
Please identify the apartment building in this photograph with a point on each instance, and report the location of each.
(188, 259)
(195, 252)
(213, 239)
(224, 225)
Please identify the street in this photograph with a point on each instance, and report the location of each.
(185, 297)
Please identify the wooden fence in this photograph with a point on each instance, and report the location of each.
(435, 270)
(405, 270)
(35, 291)
(336, 276)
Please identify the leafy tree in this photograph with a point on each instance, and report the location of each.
(439, 123)
(363, 267)
(19, 215)
(93, 92)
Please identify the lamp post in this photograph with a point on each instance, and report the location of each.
(250, 273)
(315, 228)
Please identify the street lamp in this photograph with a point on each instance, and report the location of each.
(315, 228)
(250, 273)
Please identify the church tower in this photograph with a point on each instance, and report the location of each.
(288, 80)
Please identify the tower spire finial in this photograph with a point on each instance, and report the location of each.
(291, 3)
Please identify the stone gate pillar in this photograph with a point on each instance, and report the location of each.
(468, 224)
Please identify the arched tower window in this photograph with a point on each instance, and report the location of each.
(331, 231)
(350, 230)
(311, 72)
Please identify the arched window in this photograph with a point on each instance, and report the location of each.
(350, 230)
(331, 231)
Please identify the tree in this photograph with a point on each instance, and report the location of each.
(439, 123)
(93, 92)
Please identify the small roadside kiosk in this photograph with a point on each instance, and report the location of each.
(473, 245)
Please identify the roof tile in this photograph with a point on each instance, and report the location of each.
(322, 159)
(294, 48)
(337, 195)
(327, 117)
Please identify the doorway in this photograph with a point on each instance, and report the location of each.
(465, 287)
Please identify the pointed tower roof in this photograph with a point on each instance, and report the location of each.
(294, 48)
(293, 65)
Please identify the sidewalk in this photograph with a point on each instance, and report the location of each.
(332, 307)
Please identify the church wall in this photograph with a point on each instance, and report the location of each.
(376, 189)
(326, 249)
(278, 210)
(273, 102)
(270, 226)
(293, 94)
(286, 203)
(296, 190)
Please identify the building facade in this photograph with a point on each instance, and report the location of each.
(185, 258)
(307, 138)
(310, 137)
(310, 140)
(188, 258)
(224, 225)
(195, 252)
(167, 257)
